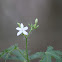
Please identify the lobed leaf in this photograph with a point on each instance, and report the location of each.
(46, 58)
(36, 55)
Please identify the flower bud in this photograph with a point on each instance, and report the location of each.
(19, 24)
(36, 21)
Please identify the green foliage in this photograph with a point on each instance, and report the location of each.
(46, 58)
(51, 53)
(36, 55)
(14, 53)
(8, 51)
(59, 60)
(17, 55)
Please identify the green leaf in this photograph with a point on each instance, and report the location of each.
(13, 47)
(16, 55)
(58, 52)
(1, 54)
(50, 52)
(37, 26)
(6, 51)
(50, 48)
(36, 55)
(13, 53)
(14, 58)
(46, 58)
(59, 60)
(53, 54)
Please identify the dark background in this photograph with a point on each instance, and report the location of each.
(49, 13)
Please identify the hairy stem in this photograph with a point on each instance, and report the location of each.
(27, 51)
(26, 45)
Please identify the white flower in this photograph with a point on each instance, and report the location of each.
(22, 29)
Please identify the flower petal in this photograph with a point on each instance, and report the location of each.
(25, 28)
(19, 33)
(24, 32)
(18, 28)
(21, 25)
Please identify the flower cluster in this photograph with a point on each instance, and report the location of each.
(22, 29)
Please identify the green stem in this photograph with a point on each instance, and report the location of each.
(29, 32)
(26, 45)
(27, 51)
